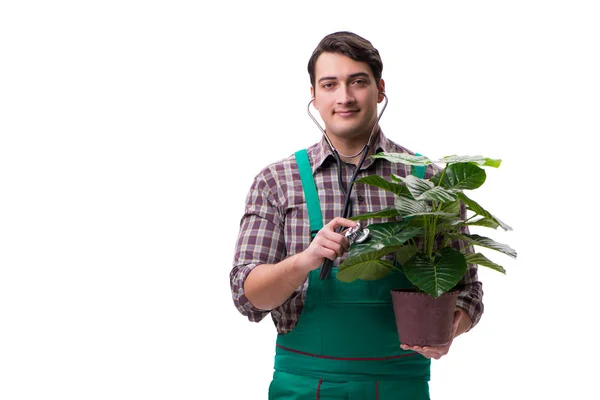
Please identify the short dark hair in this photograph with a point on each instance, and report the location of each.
(351, 45)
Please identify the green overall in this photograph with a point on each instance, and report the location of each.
(345, 345)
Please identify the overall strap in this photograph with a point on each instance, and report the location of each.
(310, 192)
(419, 170)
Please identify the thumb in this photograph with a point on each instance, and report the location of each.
(457, 318)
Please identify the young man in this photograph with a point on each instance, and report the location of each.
(336, 340)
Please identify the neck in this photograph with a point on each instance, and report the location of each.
(350, 147)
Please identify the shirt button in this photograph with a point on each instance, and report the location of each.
(360, 199)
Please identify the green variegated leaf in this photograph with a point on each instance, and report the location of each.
(437, 194)
(460, 176)
(403, 158)
(438, 214)
(477, 209)
(377, 181)
(488, 223)
(423, 189)
(480, 259)
(389, 212)
(450, 226)
(439, 275)
(405, 253)
(451, 208)
(416, 221)
(486, 242)
(483, 161)
(406, 206)
(416, 186)
(368, 266)
(384, 238)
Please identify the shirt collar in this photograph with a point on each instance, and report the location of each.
(321, 152)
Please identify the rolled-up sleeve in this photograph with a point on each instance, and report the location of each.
(470, 297)
(260, 241)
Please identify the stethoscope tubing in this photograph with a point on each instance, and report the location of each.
(327, 264)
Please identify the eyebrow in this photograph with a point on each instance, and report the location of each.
(357, 74)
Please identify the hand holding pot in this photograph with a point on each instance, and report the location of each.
(460, 325)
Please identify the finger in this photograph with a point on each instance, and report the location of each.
(339, 221)
(330, 249)
(437, 352)
(457, 317)
(336, 238)
(427, 351)
(407, 347)
(331, 235)
(430, 354)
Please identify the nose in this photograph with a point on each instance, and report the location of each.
(344, 95)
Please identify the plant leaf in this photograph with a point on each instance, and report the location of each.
(438, 276)
(406, 206)
(445, 227)
(403, 158)
(385, 213)
(423, 189)
(477, 209)
(377, 181)
(488, 223)
(416, 186)
(486, 242)
(439, 214)
(480, 259)
(405, 253)
(460, 176)
(368, 266)
(451, 208)
(384, 238)
(483, 161)
(438, 194)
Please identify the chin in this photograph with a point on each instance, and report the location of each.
(348, 131)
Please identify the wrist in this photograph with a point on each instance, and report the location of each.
(301, 265)
(465, 322)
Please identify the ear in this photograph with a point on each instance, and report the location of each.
(312, 96)
(381, 90)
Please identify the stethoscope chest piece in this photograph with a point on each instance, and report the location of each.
(357, 234)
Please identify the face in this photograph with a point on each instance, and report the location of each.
(346, 96)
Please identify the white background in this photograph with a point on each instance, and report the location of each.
(130, 134)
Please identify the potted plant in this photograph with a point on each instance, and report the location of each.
(420, 242)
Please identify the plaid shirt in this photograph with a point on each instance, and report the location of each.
(275, 224)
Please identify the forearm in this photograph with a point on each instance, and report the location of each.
(470, 297)
(269, 285)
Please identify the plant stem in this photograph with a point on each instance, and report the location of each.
(433, 223)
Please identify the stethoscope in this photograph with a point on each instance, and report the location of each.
(327, 264)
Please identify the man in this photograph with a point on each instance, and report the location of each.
(333, 341)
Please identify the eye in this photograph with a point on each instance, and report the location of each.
(328, 85)
(359, 82)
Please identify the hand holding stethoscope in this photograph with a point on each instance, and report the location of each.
(329, 244)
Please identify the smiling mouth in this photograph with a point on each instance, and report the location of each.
(346, 113)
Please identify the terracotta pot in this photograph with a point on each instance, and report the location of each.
(423, 320)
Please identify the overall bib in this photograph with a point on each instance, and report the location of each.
(345, 345)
